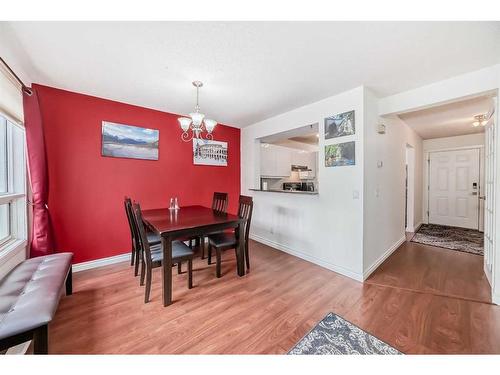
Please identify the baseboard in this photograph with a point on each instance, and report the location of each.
(383, 257)
(309, 258)
(101, 262)
(417, 227)
(495, 298)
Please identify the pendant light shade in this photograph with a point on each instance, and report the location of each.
(196, 121)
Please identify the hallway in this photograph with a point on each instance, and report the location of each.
(438, 271)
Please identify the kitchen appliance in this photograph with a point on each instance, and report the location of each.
(298, 186)
(303, 171)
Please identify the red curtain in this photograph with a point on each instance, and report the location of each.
(42, 237)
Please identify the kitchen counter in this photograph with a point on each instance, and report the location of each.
(287, 191)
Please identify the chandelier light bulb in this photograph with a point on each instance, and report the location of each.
(196, 121)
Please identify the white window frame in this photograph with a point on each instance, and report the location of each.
(16, 195)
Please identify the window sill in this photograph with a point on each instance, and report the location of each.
(11, 249)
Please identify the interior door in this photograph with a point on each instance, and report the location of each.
(454, 188)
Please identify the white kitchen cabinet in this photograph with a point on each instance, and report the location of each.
(275, 161)
(283, 161)
(312, 161)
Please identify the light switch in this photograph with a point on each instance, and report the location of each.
(355, 194)
(380, 164)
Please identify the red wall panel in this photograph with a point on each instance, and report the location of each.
(86, 190)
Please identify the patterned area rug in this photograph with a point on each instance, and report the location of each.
(335, 335)
(467, 240)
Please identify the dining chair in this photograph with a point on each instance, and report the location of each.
(153, 238)
(219, 204)
(153, 255)
(224, 241)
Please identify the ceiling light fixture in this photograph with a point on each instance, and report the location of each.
(480, 120)
(196, 121)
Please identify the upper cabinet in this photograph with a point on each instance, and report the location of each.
(277, 161)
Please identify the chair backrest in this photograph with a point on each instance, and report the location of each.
(219, 202)
(143, 239)
(127, 202)
(245, 210)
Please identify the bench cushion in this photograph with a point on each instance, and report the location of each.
(29, 294)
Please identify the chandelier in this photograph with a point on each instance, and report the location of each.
(196, 122)
(480, 120)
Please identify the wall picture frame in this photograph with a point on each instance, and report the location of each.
(128, 141)
(209, 152)
(340, 125)
(340, 154)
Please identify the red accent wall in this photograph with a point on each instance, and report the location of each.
(86, 190)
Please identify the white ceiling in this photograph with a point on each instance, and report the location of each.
(450, 119)
(251, 70)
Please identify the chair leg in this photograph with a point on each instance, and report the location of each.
(143, 272)
(148, 285)
(137, 261)
(41, 340)
(209, 254)
(190, 274)
(179, 268)
(218, 266)
(132, 256)
(247, 257)
(69, 282)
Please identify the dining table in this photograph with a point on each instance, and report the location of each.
(190, 222)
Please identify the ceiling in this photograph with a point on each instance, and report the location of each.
(251, 70)
(450, 119)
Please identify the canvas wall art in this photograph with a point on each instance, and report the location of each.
(340, 125)
(207, 152)
(126, 141)
(340, 154)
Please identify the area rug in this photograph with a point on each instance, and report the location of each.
(461, 239)
(335, 335)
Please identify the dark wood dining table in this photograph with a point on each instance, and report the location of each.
(188, 222)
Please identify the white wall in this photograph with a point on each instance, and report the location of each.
(384, 187)
(327, 228)
(450, 143)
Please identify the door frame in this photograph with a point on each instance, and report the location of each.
(426, 178)
(410, 190)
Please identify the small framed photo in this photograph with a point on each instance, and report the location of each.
(340, 154)
(340, 125)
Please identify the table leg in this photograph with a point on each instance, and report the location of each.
(167, 270)
(240, 236)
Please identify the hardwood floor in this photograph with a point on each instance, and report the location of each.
(435, 270)
(266, 311)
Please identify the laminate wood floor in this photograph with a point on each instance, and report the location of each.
(265, 312)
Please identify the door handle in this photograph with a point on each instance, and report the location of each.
(482, 198)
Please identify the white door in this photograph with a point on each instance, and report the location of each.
(489, 199)
(454, 188)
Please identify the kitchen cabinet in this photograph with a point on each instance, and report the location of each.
(275, 161)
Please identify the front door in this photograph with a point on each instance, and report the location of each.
(454, 188)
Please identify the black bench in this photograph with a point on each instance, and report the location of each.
(29, 295)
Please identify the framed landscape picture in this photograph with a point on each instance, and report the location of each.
(126, 141)
(340, 154)
(340, 125)
(207, 152)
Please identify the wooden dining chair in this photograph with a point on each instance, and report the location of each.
(224, 241)
(153, 238)
(219, 204)
(153, 255)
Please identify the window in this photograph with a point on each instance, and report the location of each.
(12, 184)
